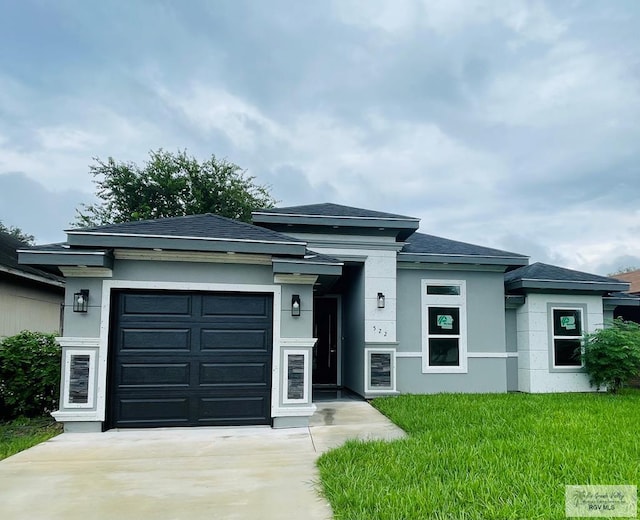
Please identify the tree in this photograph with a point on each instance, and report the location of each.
(17, 233)
(612, 355)
(171, 185)
(624, 270)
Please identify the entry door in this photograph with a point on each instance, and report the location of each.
(325, 353)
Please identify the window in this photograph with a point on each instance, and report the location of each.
(380, 370)
(444, 343)
(567, 337)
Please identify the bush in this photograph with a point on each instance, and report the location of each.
(29, 374)
(612, 355)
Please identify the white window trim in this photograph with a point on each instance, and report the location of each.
(69, 353)
(444, 300)
(554, 337)
(368, 389)
(285, 389)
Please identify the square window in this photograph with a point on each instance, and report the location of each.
(567, 352)
(444, 352)
(446, 290)
(444, 321)
(567, 322)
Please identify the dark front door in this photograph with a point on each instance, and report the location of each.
(190, 359)
(325, 353)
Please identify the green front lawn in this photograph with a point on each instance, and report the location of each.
(20, 434)
(494, 456)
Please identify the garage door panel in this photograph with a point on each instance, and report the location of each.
(157, 304)
(233, 374)
(234, 340)
(191, 359)
(233, 410)
(156, 339)
(155, 374)
(235, 305)
(171, 411)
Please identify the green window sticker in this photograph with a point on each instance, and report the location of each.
(445, 321)
(568, 322)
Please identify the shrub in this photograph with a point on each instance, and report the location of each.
(612, 355)
(29, 374)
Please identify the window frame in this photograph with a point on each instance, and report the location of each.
(552, 307)
(447, 301)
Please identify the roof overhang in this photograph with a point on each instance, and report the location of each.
(507, 261)
(525, 284)
(31, 276)
(402, 228)
(183, 243)
(618, 301)
(66, 257)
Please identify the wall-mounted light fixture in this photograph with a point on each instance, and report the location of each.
(380, 300)
(81, 301)
(295, 305)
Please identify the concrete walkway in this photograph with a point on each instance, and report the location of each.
(196, 473)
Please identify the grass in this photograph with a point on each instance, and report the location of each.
(20, 434)
(498, 456)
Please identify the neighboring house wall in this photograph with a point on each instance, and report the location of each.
(25, 306)
(535, 342)
(486, 354)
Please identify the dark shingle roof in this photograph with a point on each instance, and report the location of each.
(332, 210)
(422, 244)
(9, 246)
(191, 226)
(539, 275)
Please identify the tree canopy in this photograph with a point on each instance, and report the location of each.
(171, 185)
(17, 233)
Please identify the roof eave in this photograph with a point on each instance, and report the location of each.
(329, 220)
(186, 243)
(463, 259)
(614, 301)
(31, 276)
(68, 257)
(564, 285)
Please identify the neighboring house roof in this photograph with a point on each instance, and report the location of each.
(9, 246)
(332, 218)
(206, 232)
(545, 276)
(633, 277)
(428, 248)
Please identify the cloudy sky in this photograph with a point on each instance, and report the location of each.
(511, 124)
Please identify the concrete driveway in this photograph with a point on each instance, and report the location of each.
(195, 473)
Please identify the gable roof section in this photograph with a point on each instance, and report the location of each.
(539, 276)
(9, 247)
(328, 216)
(192, 233)
(421, 247)
(633, 278)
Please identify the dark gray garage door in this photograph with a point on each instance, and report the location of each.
(190, 359)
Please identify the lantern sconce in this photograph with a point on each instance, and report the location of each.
(380, 300)
(81, 301)
(295, 305)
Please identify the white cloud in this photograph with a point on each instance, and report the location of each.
(529, 19)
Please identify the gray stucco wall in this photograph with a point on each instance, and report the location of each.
(353, 329)
(511, 335)
(485, 332)
(88, 325)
